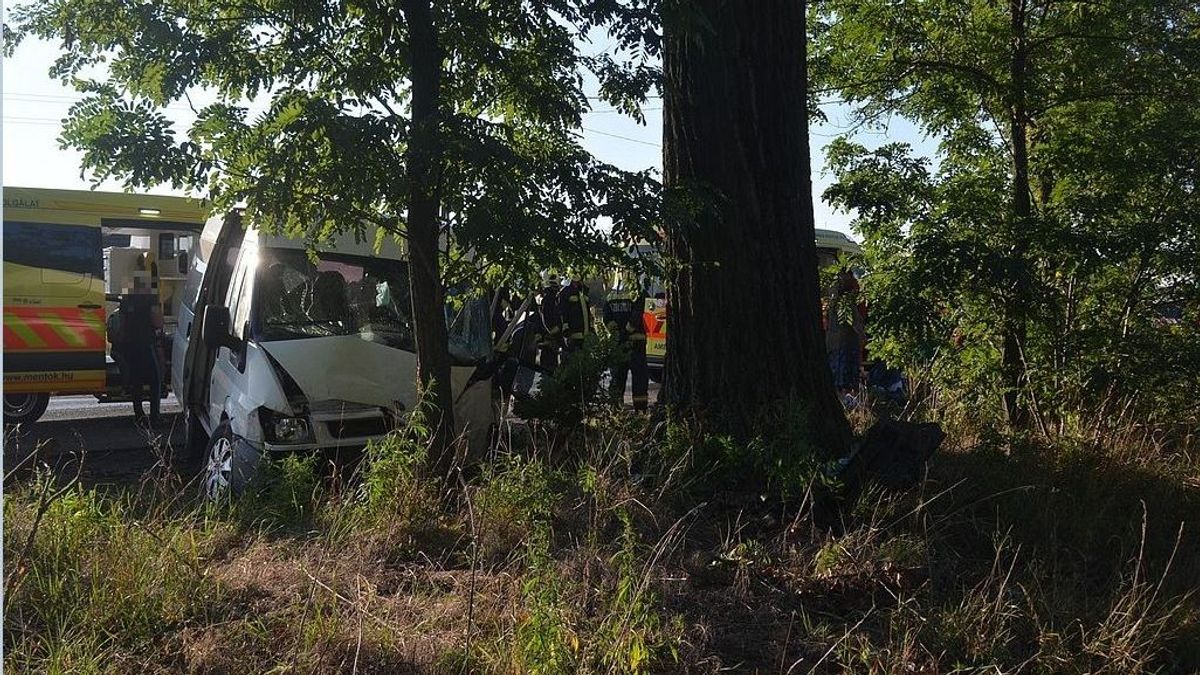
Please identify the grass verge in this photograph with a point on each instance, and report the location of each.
(617, 553)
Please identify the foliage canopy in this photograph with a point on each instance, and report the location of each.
(1097, 96)
(306, 114)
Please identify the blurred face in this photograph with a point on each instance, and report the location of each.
(141, 282)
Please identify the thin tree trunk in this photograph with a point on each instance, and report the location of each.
(745, 332)
(1015, 323)
(424, 166)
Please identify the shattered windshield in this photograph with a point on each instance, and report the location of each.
(297, 297)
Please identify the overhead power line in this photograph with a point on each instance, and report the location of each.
(37, 121)
(610, 111)
(601, 98)
(66, 99)
(35, 95)
(623, 138)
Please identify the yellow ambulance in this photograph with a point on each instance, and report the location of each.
(68, 256)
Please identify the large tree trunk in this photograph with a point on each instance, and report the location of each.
(745, 333)
(424, 166)
(1015, 321)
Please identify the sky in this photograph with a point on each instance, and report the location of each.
(34, 105)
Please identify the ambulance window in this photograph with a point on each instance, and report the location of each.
(166, 246)
(185, 243)
(70, 249)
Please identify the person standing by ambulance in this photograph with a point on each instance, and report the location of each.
(623, 316)
(141, 319)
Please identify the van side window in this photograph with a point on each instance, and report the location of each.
(244, 293)
(222, 274)
(191, 287)
(238, 297)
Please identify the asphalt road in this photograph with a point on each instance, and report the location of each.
(97, 441)
(86, 407)
(101, 443)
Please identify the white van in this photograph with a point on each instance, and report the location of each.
(281, 350)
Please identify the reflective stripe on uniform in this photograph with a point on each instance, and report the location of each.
(576, 336)
(637, 337)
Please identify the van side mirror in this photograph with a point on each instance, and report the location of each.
(216, 328)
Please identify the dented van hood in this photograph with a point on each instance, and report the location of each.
(353, 369)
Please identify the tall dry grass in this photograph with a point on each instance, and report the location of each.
(624, 549)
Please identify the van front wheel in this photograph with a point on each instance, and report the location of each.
(24, 408)
(229, 467)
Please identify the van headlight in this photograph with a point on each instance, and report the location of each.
(284, 429)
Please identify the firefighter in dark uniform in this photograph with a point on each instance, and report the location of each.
(575, 314)
(623, 316)
(518, 349)
(550, 339)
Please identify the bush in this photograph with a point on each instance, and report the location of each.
(285, 493)
(783, 461)
(569, 394)
(516, 496)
